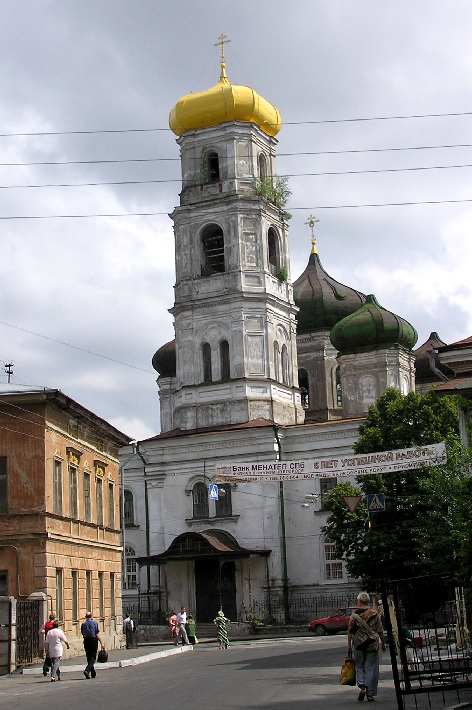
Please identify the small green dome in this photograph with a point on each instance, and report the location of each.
(372, 327)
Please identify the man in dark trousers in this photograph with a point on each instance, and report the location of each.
(91, 634)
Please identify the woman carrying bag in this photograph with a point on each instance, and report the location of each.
(366, 636)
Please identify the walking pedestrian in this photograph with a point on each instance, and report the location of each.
(172, 620)
(181, 631)
(365, 634)
(221, 631)
(54, 639)
(91, 634)
(45, 629)
(190, 628)
(128, 630)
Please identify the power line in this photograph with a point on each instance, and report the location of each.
(74, 347)
(292, 208)
(153, 129)
(292, 154)
(153, 181)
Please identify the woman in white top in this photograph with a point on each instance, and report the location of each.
(53, 643)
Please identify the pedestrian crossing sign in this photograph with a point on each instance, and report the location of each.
(212, 491)
(375, 502)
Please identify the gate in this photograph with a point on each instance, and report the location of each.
(428, 637)
(28, 630)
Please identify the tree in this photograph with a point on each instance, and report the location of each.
(426, 526)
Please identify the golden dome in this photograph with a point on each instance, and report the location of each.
(223, 103)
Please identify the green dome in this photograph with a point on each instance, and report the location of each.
(322, 300)
(372, 327)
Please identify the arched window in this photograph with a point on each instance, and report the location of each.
(223, 504)
(284, 363)
(131, 579)
(224, 360)
(128, 505)
(262, 166)
(212, 166)
(213, 245)
(200, 500)
(277, 361)
(339, 389)
(273, 251)
(206, 357)
(304, 387)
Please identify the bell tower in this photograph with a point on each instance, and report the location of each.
(235, 317)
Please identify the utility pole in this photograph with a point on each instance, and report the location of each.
(283, 537)
(9, 370)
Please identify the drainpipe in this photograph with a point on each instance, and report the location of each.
(283, 537)
(146, 514)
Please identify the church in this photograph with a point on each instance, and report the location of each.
(262, 368)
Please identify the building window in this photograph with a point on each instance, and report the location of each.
(101, 596)
(339, 390)
(57, 487)
(75, 596)
(99, 500)
(3, 485)
(212, 166)
(273, 251)
(277, 361)
(213, 245)
(284, 363)
(262, 166)
(223, 506)
(200, 501)
(333, 566)
(206, 357)
(304, 387)
(87, 499)
(3, 583)
(130, 568)
(326, 485)
(111, 505)
(224, 360)
(88, 591)
(129, 509)
(112, 596)
(59, 595)
(73, 505)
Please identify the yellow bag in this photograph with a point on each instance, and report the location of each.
(348, 672)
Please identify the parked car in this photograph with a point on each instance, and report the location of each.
(331, 624)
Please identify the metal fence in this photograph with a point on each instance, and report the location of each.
(429, 641)
(28, 625)
(146, 608)
(303, 607)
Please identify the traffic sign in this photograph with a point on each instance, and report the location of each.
(352, 502)
(213, 491)
(375, 502)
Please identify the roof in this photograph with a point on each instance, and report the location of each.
(465, 343)
(201, 545)
(322, 300)
(252, 424)
(164, 360)
(427, 363)
(63, 401)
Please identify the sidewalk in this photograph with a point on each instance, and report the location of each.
(121, 658)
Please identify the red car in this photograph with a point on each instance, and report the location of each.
(331, 624)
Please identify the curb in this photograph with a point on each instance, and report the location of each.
(125, 663)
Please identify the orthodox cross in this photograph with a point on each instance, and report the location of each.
(222, 40)
(311, 221)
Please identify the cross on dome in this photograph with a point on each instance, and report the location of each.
(311, 222)
(222, 40)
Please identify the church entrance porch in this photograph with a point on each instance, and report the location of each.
(203, 571)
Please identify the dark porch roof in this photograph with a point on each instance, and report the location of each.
(201, 545)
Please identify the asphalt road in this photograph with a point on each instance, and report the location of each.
(259, 675)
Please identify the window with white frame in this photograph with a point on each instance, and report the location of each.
(333, 566)
(131, 579)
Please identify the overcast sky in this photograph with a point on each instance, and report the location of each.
(106, 284)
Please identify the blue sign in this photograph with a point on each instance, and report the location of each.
(212, 491)
(375, 502)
